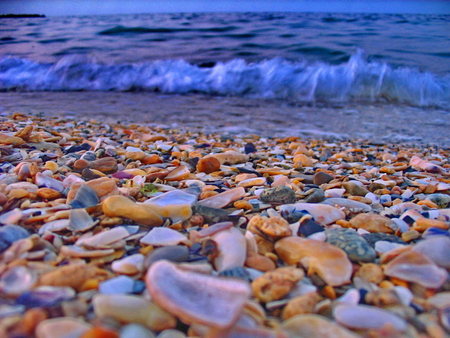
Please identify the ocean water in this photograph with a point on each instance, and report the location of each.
(296, 57)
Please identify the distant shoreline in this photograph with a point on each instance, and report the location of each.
(18, 16)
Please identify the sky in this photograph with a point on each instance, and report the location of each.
(90, 7)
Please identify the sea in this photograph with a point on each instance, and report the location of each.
(298, 58)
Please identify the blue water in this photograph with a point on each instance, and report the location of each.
(403, 58)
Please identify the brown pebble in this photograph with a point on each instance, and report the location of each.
(259, 262)
(300, 305)
(80, 164)
(241, 204)
(275, 227)
(73, 275)
(322, 177)
(18, 193)
(276, 284)
(32, 318)
(410, 235)
(371, 272)
(3, 199)
(48, 194)
(208, 165)
(372, 223)
(423, 224)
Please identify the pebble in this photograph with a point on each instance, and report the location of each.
(121, 206)
(276, 284)
(278, 195)
(117, 285)
(326, 260)
(61, 328)
(373, 223)
(132, 309)
(355, 246)
(312, 325)
(82, 227)
(136, 331)
(321, 177)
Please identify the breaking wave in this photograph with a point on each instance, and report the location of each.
(355, 80)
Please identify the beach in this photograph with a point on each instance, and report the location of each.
(233, 115)
(225, 175)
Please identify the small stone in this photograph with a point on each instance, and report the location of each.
(174, 253)
(32, 318)
(252, 182)
(371, 272)
(122, 206)
(106, 165)
(133, 309)
(278, 195)
(135, 331)
(315, 196)
(356, 247)
(321, 177)
(311, 325)
(208, 165)
(18, 194)
(372, 238)
(274, 227)
(230, 157)
(355, 189)
(373, 223)
(194, 297)
(276, 284)
(302, 161)
(73, 275)
(441, 200)
(300, 305)
(329, 262)
(82, 196)
(61, 328)
(48, 194)
(365, 317)
(259, 262)
(135, 155)
(12, 140)
(415, 267)
(117, 285)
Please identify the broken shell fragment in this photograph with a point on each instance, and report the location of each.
(195, 297)
(413, 266)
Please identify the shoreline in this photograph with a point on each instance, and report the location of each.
(236, 115)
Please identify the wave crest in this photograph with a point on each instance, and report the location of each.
(355, 80)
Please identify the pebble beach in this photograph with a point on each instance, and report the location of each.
(129, 229)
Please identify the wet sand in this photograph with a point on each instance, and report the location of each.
(383, 123)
